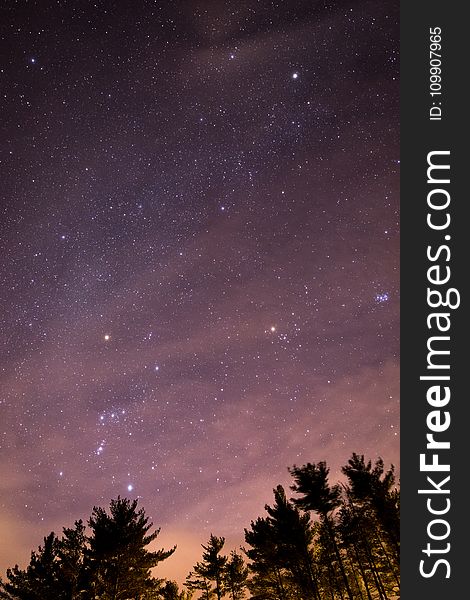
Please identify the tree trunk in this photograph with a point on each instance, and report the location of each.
(363, 574)
(281, 590)
(353, 570)
(375, 573)
(392, 569)
(338, 556)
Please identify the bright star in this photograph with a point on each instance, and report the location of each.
(130, 487)
(106, 337)
(295, 75)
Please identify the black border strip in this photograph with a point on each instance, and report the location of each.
(421, 135)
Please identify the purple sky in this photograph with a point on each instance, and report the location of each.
(199, 258)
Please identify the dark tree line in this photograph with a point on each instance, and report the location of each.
(328, 542)
(110, 564)
(350, 551)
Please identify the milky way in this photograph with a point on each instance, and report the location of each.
(199, 258)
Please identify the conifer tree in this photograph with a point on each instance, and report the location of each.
(373, 488)
(171, 591)
(199, 583)
(269, 578)
(311, 480)
(373, 500)
(71, 550)
(117, 563)
(235, 576)
(294, 536)
(210, 569)
(40, 579)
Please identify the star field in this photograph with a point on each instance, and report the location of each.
(199, 257)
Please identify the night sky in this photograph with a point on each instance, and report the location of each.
(199, 257)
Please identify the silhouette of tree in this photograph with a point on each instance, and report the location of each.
(210, 569)
(374, 488)
(171, 591)
(117, 564)
(270, 580)
(373, 501)
(195, 582)
(71, 549)
(41, 578)
(356, 531)
(235, 576)
(311, 480)
(351, 552)
(294, 535)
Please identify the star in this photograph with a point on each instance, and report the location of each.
(382, 297)
(205, 217)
